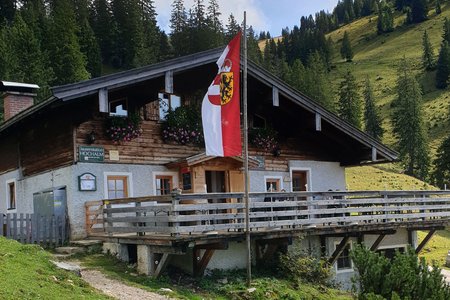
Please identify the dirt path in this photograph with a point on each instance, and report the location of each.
(111, 287)
(117, 289)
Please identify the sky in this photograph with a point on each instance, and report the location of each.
(263, 15)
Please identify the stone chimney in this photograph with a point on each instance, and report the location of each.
(17, 97)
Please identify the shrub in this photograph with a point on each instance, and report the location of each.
(304, 267)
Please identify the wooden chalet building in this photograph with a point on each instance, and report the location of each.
(57, 157)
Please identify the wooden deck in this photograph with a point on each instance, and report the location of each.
(169, 220)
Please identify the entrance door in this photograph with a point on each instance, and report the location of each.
(215, 181)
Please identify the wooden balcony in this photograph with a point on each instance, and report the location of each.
(213, 216)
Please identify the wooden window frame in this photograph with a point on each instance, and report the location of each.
(345, 269)
(174, 175)
(11, 197)
(163, 177)
(128, 182)
(277, 179)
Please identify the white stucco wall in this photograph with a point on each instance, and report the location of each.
(322, 176)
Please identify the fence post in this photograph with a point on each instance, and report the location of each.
(8, 225)
(21, 235)
(28, 228)
(2, 223)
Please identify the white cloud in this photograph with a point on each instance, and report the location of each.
(255, 16)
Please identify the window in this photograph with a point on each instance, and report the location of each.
(299, 181)
(344, 262)
(273, 184)
(118, 108)
(117, 187)
(167, 102)
(163, 184)
(11, 194)
(390, 252)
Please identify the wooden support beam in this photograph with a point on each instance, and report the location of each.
(169, 82)
(425, 240)
(215, 246)
(200, 263)
(162, 263)
(318, 122)
(103, 100)
(374, 154)
(275, 96)
(377, 242)
(338, 250)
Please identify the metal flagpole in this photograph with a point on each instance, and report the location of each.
(246, 180)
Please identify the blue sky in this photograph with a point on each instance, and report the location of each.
(263, 15)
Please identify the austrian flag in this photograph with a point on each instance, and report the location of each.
(220, 106)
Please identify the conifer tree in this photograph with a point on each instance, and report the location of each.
(346, 48)
(441, 174)
(349, 104)
(372, 120)
(232, 28)
(385, 21)
(443, 66)
(67, 61)
(214, 24)
(148, 50)
(446, 30)
(87, 40)
(7, 11)
(254, 53)
(317, 82)
(428, 53)
(419, 11)
(28, 61)
(437, 7)
(102, 24)
(408, 124)
(179, 29)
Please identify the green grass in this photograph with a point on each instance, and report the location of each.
(437, 248)
(212, 287)
(377, 57)
(27, 273)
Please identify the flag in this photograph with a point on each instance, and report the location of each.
(220, 106)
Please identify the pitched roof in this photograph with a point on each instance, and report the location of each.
(92, 86)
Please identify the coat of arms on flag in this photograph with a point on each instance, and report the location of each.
(221, 107)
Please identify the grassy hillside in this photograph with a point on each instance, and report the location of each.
(378, 55)
(27, 273)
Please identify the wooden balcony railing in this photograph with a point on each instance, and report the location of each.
(199, 213)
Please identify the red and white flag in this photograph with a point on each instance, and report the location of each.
(220, 106)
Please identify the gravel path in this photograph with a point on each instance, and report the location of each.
(117, 289)
(446, 274)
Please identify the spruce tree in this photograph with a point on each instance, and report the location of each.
(372, 120)
(441, 174)
(428, 53)
(446, 30)
(28, 61)
(7, 11)
(349, 104)
(317, 82)
(437, 7)
(67, 61)
(385, 21)
(148, 50)
(443, 66)
(179, 29)
(419, 11)
(346, 48)
(232, 28)
(102, 24)
(408, 124)
(215, 27)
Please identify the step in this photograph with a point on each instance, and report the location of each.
(86, 243)
(69, 250)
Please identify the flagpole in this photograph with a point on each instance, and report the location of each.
(246, 178)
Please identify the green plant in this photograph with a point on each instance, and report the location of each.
(303, 266)
(123, 129)
(405, 277)
(183, 126)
